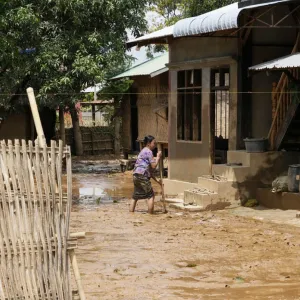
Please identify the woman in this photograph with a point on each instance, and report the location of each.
(142, 174)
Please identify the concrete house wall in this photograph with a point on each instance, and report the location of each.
(189, 159)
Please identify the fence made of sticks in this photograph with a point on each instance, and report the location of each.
(35, 244)
(95, 140)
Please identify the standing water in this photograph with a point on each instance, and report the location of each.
(100, 182)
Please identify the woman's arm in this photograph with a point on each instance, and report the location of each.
(158, 157)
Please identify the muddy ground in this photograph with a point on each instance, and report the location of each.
(210, 255)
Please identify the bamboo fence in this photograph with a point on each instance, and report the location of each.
(35, 244)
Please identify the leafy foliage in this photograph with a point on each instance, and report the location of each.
(61, 46)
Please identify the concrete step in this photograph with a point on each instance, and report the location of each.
(231, 173)
(226, 190)
(189, 208)
(177, 187)
(211, 184)
(174, 200)
(239, 156)
(200, 197)
(206, 200)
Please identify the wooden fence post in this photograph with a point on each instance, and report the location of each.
(117, 136)
(62, 130)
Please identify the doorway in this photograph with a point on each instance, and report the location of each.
(220, 98)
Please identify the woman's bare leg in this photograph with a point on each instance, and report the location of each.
(151, 205)
(132, 205)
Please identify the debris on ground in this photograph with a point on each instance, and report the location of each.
(280, 184)
(251, 203)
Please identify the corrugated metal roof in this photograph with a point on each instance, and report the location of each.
(165, 32)
(220, 19)
(152, 67)
(286, 62)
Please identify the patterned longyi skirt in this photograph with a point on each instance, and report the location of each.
(142, 187)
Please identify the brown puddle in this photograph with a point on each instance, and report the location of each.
(91, 190)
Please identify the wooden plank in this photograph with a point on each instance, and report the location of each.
(286, 123)
(77, 274)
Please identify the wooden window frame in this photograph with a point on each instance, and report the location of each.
(189, 105)
(221, 87)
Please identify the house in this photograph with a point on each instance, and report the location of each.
(15, 126)
(19, 124)
(145, 108)
(211, 80)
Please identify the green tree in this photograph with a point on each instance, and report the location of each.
(61, 46)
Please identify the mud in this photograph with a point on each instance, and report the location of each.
(96, 166)
(178, 255)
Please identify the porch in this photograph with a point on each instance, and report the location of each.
(236, 181)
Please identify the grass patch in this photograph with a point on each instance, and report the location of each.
(191, 265)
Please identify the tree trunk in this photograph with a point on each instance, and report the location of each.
(62, 130)
(117, 136)
(76, 132)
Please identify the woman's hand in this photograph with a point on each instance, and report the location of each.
(159, 154)
(158, 157)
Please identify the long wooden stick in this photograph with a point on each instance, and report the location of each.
(36, 117)
(77, 274)
(162, 193)
(161, 169)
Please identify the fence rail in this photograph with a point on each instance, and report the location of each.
(95, 140)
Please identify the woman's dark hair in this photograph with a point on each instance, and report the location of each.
(148, 139)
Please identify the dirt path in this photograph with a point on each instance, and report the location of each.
(185, 256)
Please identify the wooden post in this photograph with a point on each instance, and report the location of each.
(211, 134)
(36, 117)
(161, 173)
(161, 162)
(76, 274)
(274, 107)
(92, 140)
(94, 114)
(117, 136)
(62, 130)
(274, 100)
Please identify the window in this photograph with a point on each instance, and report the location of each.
(220, 83)
(189, 105)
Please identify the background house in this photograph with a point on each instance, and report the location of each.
(145, 108)
(209, 60)
(20, 125)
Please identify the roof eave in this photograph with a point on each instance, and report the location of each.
(159, 72)
(157, 41)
